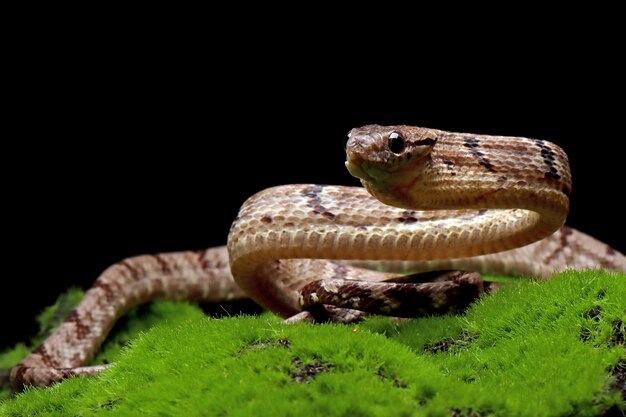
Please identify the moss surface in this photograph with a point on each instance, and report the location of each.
(535, 349)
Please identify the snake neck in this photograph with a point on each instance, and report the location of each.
(465, 171)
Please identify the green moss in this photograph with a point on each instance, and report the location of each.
(130, 326)
(531, 349)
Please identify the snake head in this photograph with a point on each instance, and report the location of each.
(388, 159)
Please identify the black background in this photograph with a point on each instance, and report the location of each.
(119, 153)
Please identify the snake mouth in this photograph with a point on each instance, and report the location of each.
(357, 171)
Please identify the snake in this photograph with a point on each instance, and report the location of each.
(436, 210)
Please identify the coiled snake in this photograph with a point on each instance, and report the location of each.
(462, 202)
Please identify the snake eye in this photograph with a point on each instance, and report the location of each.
(396, 143)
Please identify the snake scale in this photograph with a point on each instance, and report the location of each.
(461, 202)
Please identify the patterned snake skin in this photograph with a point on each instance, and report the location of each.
(466, 202)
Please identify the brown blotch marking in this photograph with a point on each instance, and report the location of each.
(204, 262)
(109, 293)
(163, 264)
(408, 216)
(548, 158)
(610, 251)
(44, 356)
(266, 219)
(565, 232)
(312, 191)
(483, 211)
(315, 201)
(412, 300)
(473, 144)
(82, 330)
(552, 174)
(18, 373)
(484, 162)
(133, 272)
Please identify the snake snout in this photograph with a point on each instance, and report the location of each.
(362, 146)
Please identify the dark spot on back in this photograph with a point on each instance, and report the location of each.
(203, 260)
(44, 356)
(473, 144)
(163, 264)
(82, 330)
(564, 233)
(552, 175)
(19, 372)
(313, 190)
(408, 216)
(548, 158)
(484, 162)
(315, 201)
(266, 219)
(133, 272)
(109, 293)
(328, 215)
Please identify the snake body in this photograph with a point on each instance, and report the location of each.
(490, 204)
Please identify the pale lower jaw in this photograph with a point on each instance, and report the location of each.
(358, 172)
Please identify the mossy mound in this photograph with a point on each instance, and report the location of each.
(531, 349)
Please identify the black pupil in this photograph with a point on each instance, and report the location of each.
(396, 143)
